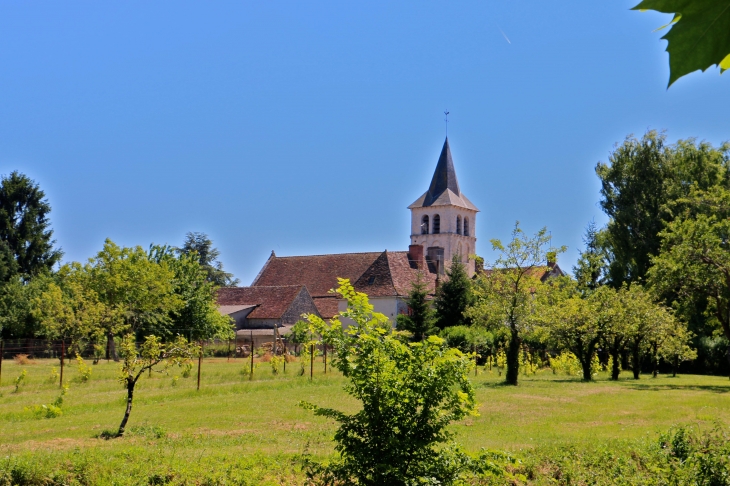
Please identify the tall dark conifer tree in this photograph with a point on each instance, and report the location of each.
(25, 234)
(454, 296)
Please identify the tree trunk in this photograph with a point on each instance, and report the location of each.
(655, 359)
(636, 360)
(675, 365)
(130, 393)
(586, 364)
(513, 359)
(111, 348)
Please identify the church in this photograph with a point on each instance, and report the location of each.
(443, 224)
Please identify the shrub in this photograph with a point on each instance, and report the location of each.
(52, 410)
(84, 369)
(276, 363)
(53, 378)
(566, 363)
(410, 393)
(20, 380)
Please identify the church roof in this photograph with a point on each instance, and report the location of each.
(444, 189)
(378, 274)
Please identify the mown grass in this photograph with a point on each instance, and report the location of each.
(254, 430)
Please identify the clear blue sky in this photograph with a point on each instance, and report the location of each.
(308, 127)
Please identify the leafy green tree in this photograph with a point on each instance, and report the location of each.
(590, 271)
(454, 296)
(698, 37)
(25, 228)
(420, 322)
(642, 187)
(572, 322)
(138, 292)
(694, 263)
(505, 294)
(198, 318)
(152, 354)
(68, 308)
(207, 255)
(633, 195)
(17, 319)
(409, 393)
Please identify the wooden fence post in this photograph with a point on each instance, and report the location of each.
(250, 377)
(311, 361)
(200, 361)
(325, 359)
(63, 355)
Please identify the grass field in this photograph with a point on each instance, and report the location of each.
(255, 427)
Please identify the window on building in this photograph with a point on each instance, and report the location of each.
(436, 224)
(371, 280)
(466, 226)
(458, 225)
(424, 225)
(435, 258)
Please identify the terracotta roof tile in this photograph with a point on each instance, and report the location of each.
(392, 274)
(317, 272)
(271, 301)
(327, 306)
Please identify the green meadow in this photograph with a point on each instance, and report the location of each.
(237, 430)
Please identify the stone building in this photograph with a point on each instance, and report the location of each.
(443, 224)
(259, 311)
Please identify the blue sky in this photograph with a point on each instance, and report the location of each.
(308, 127)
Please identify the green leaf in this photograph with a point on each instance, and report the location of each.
(699, 37)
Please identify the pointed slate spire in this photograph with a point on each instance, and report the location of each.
(444, 177)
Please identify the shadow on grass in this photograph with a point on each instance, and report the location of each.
(656, 387)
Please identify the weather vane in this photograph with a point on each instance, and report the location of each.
(446, 121)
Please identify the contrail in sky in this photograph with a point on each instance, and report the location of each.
(505, 35)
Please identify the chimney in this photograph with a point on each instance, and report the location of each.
(552, 259)
(415, 254)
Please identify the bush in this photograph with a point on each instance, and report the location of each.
(84, 370)
(20, 380)
(410, 393)
(566, 363)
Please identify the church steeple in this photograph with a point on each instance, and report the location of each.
(444, 177)
(443, 220)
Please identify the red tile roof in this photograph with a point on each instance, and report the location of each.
(392, 274)
(327, 306)
(318, 272)
(271, 301)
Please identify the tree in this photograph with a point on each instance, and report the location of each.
(24, 228)
(420, 320)
(572, 322)
(633, 194)
(642, 187)
(16, 307)
(505, 293)
(453, 296)
(202, 246)
(198, 318)
(590, 271)
(409, 394)
(153, 353)
(68, 308)
(138, 293)
(694, 262)
(698, 37)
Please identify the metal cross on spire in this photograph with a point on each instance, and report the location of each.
(446, 121)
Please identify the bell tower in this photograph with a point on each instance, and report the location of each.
(443, 220)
